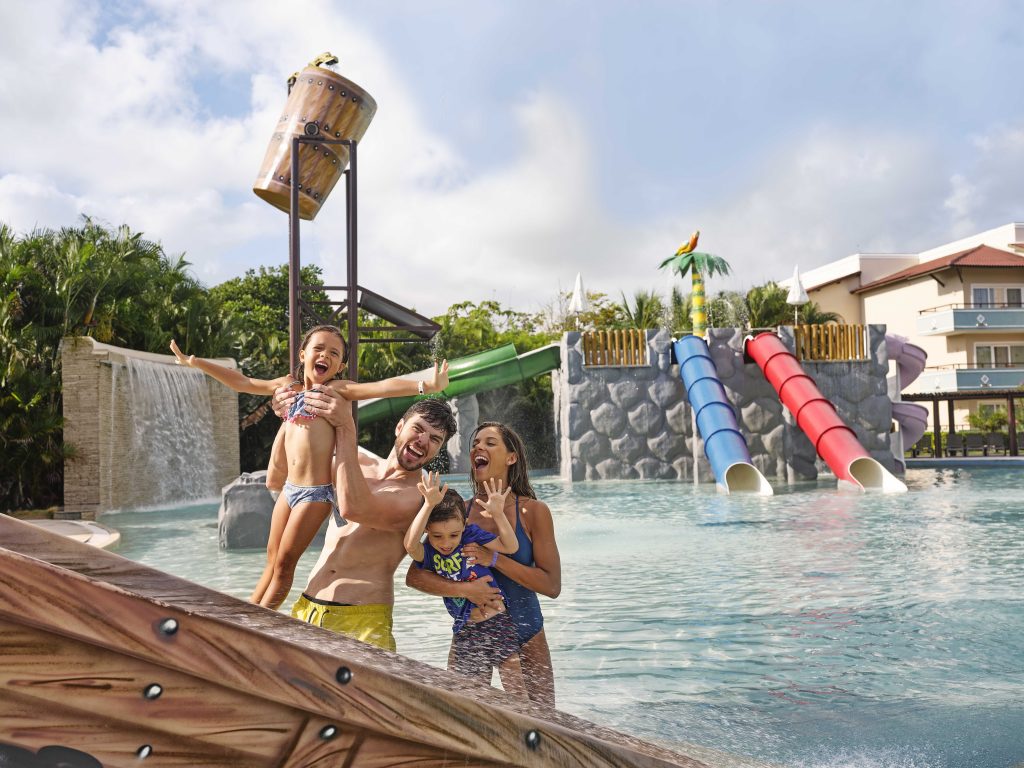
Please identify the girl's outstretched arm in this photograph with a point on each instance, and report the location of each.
(395, 387)
(229, 377)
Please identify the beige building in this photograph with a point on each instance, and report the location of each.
(962, 302)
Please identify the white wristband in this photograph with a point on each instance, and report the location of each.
(421, 387)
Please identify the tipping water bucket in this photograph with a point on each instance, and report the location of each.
(321, 103)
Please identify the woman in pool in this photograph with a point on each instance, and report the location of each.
(498, 453)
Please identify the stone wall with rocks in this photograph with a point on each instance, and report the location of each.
(635, 422)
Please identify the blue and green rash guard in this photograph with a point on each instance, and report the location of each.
(454, 567)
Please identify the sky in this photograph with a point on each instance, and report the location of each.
(519, 142)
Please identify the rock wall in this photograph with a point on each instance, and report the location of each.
(635, 422)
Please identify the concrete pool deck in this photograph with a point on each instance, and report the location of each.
(86, 531)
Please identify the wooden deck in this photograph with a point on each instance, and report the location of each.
(119, 661)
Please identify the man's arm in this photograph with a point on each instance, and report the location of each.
(390, 509)
(480, 591)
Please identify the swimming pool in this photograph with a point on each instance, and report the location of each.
(813, 629)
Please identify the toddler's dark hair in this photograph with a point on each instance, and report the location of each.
(451, 506)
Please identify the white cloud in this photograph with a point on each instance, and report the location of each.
(132, 124)
(837, 192)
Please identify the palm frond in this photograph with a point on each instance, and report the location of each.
(708, 264)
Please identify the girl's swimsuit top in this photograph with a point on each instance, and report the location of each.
(297, 410)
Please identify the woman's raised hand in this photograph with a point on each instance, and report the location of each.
(181, 357)
(495, 497)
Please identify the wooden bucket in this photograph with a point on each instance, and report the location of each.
(321, 103)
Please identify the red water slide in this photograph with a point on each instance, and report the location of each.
(835, 442)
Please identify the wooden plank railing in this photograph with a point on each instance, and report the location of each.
(623, 348)
(831, 342)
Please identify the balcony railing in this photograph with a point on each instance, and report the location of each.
(622, 348)
(970, 318)
(974, 305)
(955, 377)
(831, 342)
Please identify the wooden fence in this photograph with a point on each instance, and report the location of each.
(620, 348)
(831, 342)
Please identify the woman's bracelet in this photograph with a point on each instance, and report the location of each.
(494, 560)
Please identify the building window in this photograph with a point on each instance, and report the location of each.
(983, 297)
(999, 355)
(990, 296)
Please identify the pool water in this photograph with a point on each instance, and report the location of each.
(814, 629)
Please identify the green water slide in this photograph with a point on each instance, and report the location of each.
(468, 375)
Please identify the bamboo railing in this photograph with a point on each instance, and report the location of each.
(623, 348)
(831, 342)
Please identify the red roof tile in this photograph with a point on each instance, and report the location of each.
(980, 256)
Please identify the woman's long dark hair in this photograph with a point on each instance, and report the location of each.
(518, 477)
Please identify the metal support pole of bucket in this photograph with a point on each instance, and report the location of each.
(352, 284)
(294, 267)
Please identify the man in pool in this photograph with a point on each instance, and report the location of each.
(351, 587)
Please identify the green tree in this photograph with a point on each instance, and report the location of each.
(647, 310)
(680, 309)
(766, 306)
(811, 314)
(108, 283)
(602, 313)
(727, 309)
(988, 420)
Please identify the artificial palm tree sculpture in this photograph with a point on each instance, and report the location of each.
(698, 264)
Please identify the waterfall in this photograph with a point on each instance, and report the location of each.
(169, 418)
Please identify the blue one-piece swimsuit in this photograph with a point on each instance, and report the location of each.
(523, 605)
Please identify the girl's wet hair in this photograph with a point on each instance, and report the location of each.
(297, 373)
(518, 473)
(450, 507)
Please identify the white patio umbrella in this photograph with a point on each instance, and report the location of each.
(578, 303)
(797, 295)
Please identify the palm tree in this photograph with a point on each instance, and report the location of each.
(698, 264)
(766, 306)
(812, 314)
(647, 310)
(680, 310)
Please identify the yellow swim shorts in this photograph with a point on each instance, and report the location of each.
(369, 623)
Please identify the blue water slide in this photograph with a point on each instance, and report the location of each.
(724, 445)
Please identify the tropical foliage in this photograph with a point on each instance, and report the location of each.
(111, 284)
(646, 311)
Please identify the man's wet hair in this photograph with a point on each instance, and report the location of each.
(437, 413)
(448, 508)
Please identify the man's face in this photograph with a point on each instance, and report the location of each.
(417, 441)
